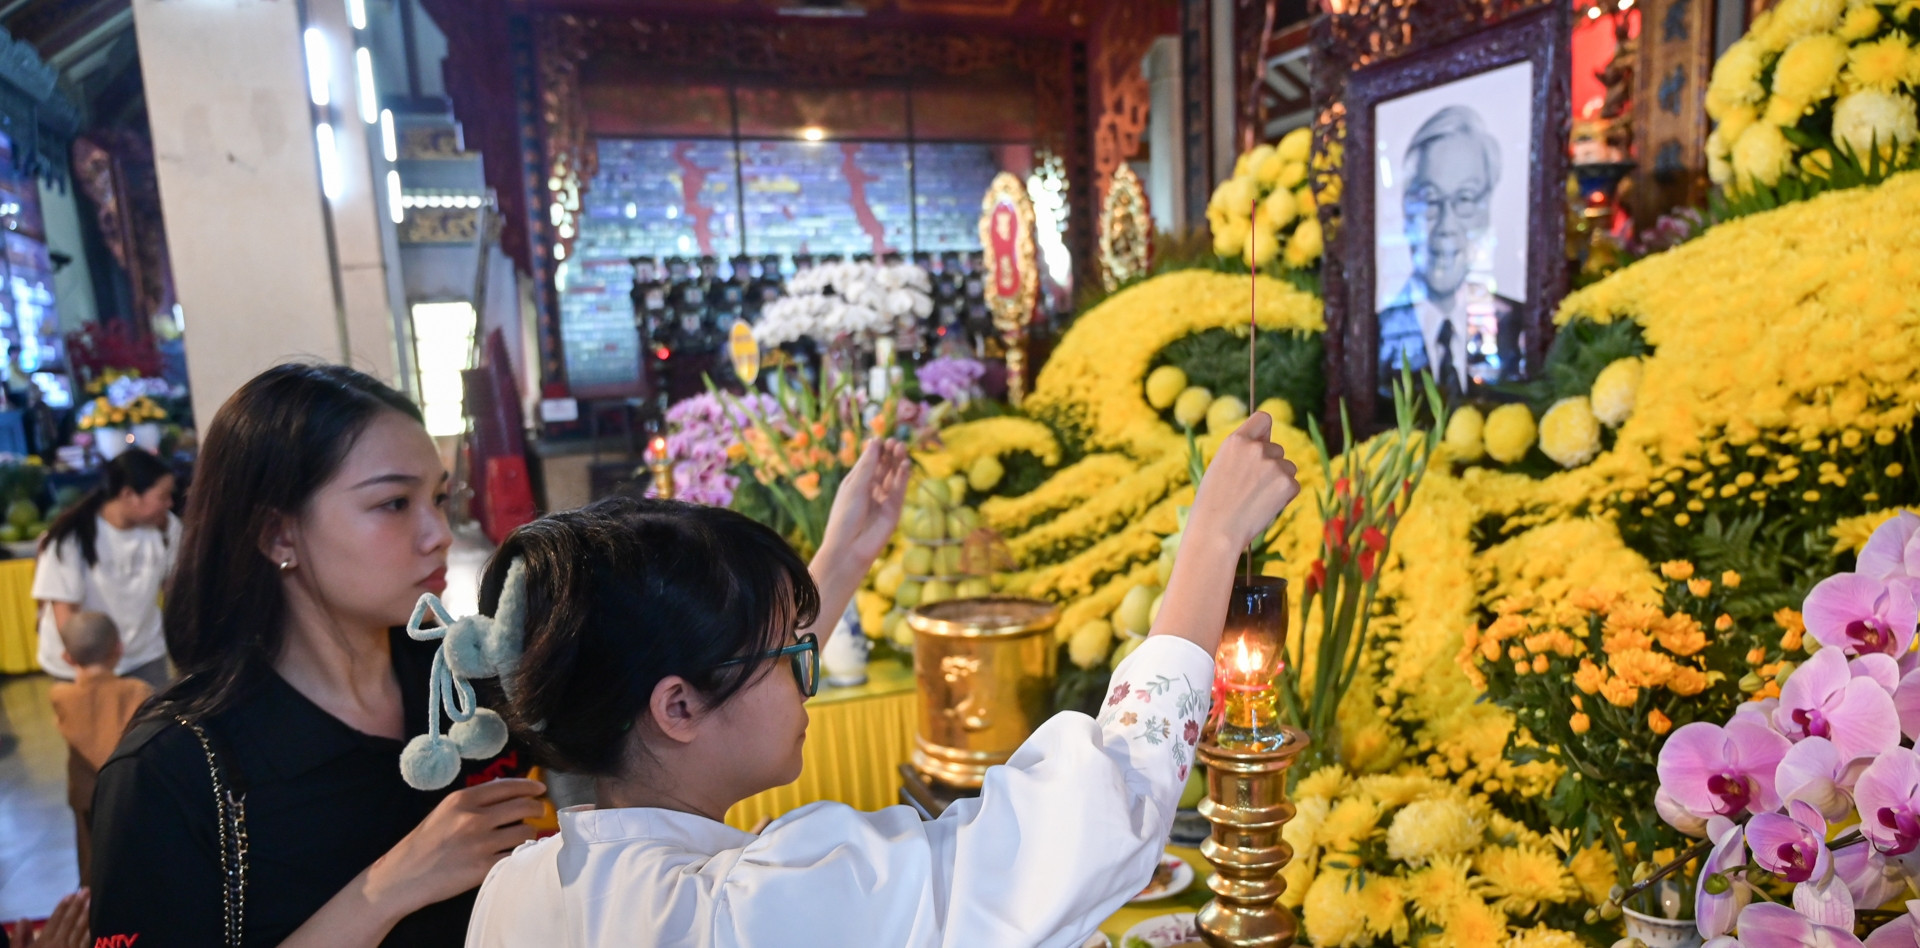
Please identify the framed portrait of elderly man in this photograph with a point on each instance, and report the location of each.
(1456, 217)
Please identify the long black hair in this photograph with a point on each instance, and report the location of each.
(132, 468)
(269, 448)
(626, 592)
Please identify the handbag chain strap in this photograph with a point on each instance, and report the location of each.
(231, 811)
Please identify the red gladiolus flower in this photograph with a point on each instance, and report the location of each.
(1373, 539)
(1337, 533)
(1366, 566)
(1342, 486)
(1316, 577)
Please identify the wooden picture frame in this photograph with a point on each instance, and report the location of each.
(1470, 73)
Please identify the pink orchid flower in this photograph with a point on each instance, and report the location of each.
(1894, 549)
(1862, 615)
(1813, 771)
(1714, 915)
(1714, 771)
(1825, 900)
(1888, 796)
(1767, 925)
(1792, 846)
(1906, 702)
(1822, 698)
(1686, 821)
(1871, 877)
(1902, 932)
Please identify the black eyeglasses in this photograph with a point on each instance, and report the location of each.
(803, 656)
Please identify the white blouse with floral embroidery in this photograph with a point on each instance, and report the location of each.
(1060, 837)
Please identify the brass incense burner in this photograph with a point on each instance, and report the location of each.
(1247, 805)
(985, 669)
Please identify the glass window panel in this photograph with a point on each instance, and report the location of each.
(949, 182)
(826, 197)
(649, 198)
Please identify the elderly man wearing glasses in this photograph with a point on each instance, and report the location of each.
(1447, 318)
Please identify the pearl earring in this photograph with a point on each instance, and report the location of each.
(286, 565)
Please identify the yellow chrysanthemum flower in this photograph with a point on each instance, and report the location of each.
(1543, 937)
(1594, 872)
(1332, 911)
(1807, 71)
(1570, 434)
(1736, 79)
(1328, 782)
(1615, 390)
(1519, 878)
(1264, 165)
(1761, 154)
(1882, 64)
(1350, 823)
(1426, 830)
(1382, 907)
(1870, 117)
(1230, 237)
(1509, 433)
(1794, 19)
(1438, 890)
(1862, 20)
(1463, 436)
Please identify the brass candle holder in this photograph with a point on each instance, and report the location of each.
(1247, 805)
(662, 468)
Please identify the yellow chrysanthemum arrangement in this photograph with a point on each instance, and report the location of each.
(1265, 212)
(1813, 78)
(1406, 859)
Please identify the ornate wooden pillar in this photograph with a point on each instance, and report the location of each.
(1196, 106)
(1669, 105)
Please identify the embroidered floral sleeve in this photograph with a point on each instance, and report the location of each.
(1157, 702)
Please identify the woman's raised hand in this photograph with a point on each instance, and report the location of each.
(1249, 482)
(867, 507)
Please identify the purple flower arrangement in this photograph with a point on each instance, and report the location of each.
(1818, 788)
(951, 378)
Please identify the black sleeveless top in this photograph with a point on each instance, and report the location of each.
(323, 801)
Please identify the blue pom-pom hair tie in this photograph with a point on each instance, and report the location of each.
(471, 647)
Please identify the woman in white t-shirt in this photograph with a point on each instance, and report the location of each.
(111, 553)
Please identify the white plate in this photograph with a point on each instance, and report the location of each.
(1182, 877)
(1162, 931)
(1097, 940)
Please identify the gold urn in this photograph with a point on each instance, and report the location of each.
(985, 669)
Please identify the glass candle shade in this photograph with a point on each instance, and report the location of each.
(1247, 662)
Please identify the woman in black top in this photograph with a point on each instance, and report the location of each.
(314, 524)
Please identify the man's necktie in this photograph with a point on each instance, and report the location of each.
(1445, 373)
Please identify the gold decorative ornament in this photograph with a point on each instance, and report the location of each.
(745, 352)
(1013, 271)
(985, 669)
(1126, 230)
(661, 467)
(1247, 805)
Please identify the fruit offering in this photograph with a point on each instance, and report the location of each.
(934, 565)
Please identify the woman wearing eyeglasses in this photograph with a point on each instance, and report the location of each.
(666, 653)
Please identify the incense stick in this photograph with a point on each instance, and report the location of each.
(1253, 332)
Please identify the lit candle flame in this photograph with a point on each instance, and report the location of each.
(658, 448)
(1248, 662)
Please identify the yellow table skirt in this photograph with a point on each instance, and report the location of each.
(857, 738)
(19, 635)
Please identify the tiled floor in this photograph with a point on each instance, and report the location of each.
(37, 862)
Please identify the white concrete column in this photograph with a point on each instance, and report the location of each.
(266, 267)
